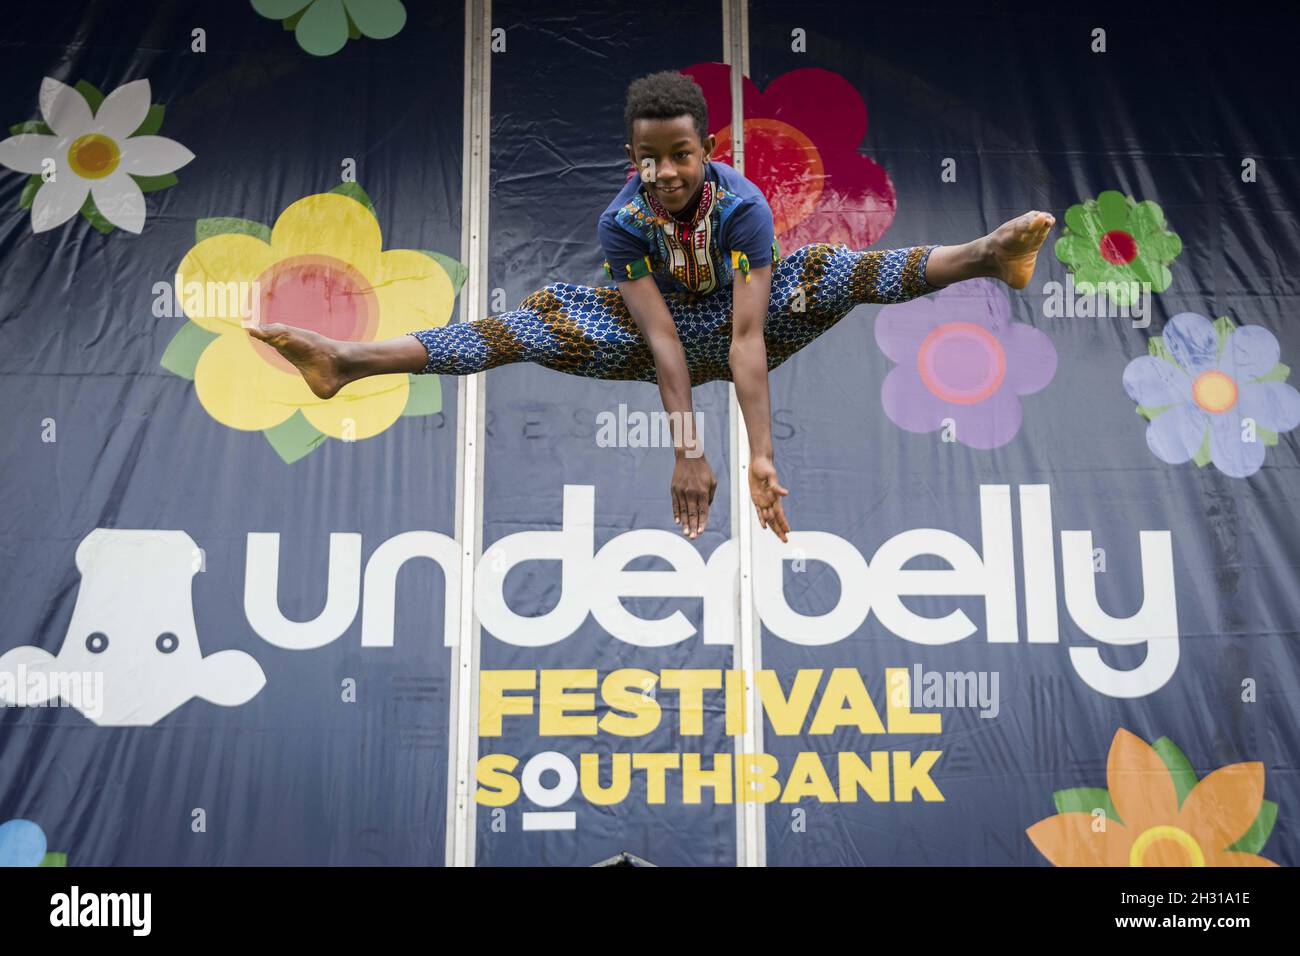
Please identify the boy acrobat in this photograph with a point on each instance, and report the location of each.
(702, 294)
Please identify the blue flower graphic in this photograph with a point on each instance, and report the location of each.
(1213, 392)
(22, 843)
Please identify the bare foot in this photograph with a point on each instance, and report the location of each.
(314, 355)
(1013, 247)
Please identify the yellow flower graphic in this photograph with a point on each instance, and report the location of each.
(1158, 814)
(321, 267)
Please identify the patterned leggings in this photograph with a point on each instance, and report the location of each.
(588, 331)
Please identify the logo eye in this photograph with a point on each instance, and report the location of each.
(97, 642)
(167, 642)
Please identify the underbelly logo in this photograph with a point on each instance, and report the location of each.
(133, 647)
(595, 582)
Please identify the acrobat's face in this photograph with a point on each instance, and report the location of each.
(670, 157)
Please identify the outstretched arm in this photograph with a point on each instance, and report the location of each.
(693, 483)
(748, 361)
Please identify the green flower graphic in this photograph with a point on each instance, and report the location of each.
(1113, 241)
(322, 27)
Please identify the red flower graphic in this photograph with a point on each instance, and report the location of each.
(801, 149)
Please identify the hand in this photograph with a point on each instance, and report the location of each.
(692, 490)
(766, 492)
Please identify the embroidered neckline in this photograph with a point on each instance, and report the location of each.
(703, 209)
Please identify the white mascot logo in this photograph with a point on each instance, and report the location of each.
(132, 628)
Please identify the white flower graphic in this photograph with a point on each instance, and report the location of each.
(92, 153)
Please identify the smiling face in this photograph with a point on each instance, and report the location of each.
(670, 157)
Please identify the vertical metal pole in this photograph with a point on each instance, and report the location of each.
(751, 832)
(471, 397)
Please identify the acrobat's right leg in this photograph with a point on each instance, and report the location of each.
(327, 365)
(574, 329)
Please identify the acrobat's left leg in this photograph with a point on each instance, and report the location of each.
(1008, 253)
(817, 285)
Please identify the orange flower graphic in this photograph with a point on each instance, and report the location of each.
(1158, 814)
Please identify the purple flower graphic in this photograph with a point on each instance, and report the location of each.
(961, 357)
(1201, 381)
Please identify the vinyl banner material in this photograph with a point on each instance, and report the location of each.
(1038, 602)
(224, 632)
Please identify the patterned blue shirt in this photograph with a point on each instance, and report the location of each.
(730, 229)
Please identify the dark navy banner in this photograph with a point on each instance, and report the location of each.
(1038, 604)
(186, 528)
(557, 162)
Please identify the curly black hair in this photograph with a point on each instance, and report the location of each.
(666, 95)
